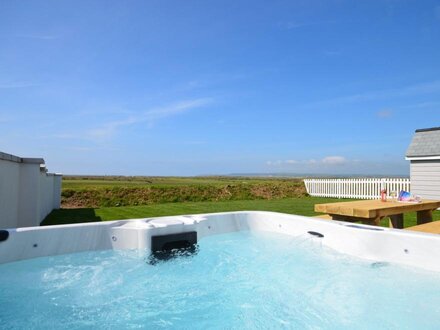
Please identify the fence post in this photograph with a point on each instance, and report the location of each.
(382, 184)
(338, 190)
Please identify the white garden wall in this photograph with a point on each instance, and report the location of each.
(27, 192)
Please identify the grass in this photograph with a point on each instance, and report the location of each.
(97, 182)
(95, 192)
(104, 198)
(301, 206)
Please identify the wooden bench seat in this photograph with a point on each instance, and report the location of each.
(324, 216)
(430, 227)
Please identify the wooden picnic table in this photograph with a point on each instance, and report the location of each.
(372, 211)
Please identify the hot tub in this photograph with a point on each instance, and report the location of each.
(246, 270)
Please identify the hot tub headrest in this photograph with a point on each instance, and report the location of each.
(4, 234)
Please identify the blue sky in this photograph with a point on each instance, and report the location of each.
(218, 87)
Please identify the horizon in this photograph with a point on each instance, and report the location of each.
(139, 88)
(245, 175)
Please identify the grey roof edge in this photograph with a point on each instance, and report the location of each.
(427, 129)
(16, 159)
(11, 158)
(424, 156)
(54, 174)
(32, 160)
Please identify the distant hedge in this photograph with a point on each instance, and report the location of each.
(130, 196)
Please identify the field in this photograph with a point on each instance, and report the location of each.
(88, 199)
(86, 192)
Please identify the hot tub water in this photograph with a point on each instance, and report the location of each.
(237, 280)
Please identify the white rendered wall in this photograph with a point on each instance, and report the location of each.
(27, 194)
(28, 199)
(9, 187)
(49, 193)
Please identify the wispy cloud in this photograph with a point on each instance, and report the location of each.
(109, 129)
(332, 52)
(296, 25)
(191, 143)
(16, 84)
(4, 119)
(334, 160)
(437, 12)
(418, 89)
(81, 149)
(36, 36)
(422, 105)
(88, 149)
(329, 161)
(385, 113)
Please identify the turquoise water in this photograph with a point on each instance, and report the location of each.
(241, 280)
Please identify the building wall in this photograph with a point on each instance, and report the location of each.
(27, 194)
(50, 193)
(9, 188)
(425, 178)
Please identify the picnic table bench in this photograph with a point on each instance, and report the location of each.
(372, 211)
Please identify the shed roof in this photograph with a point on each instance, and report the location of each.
(425, 143)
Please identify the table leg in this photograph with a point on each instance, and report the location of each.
(396, 221)
(376, 221)
(424, 217)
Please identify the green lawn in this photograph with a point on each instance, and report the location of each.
(301, 206)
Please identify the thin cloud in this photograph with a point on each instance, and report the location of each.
(385, 113)
(422, 105)
(329, 161)
(66, 136)
(86, 149)
(437, 12)
(109, 129)
(418, 89)
(191, 143)
(332, 52)
(16, 84)
(177, 108)
(274, 163)
(81, 149)
(296, 25)
(37, 36)
(334, 160)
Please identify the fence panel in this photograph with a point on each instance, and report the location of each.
(363, 188)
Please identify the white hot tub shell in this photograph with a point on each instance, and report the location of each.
(367, 242)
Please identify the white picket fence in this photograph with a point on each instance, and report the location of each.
(368, 188)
